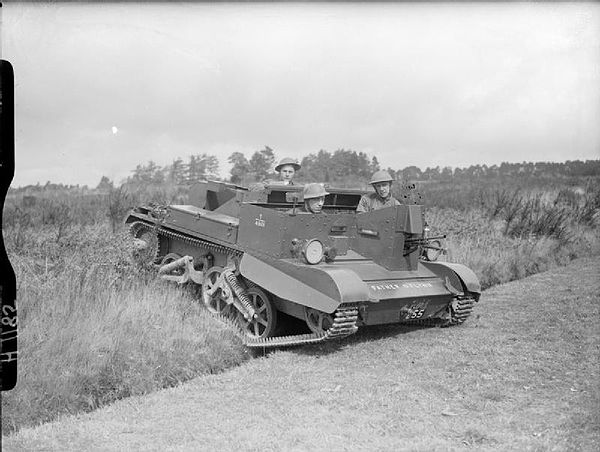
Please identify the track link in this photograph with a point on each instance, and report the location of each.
(136, 228)
(200, 243)
(344, 324)
(461, 309)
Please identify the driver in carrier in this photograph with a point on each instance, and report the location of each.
(314, 199)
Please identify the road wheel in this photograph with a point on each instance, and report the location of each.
(318, 321)
(263, 325)
(217, 302)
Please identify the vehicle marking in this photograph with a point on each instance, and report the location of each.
(394, 286)
(259, 221)
(417, 285)
(415, 310)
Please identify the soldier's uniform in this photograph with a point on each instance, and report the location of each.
(277, 182)
(373, 201)
(302, 209)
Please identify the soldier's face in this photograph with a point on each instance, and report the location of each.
(316, 204)
(287, 173)
(382, 189)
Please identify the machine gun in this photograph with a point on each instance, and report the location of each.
(431, 247)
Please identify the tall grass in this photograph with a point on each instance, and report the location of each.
(93, 329)
(483, 245)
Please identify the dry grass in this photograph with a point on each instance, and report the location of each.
(482, 245)
(92, 329)
(521, 374)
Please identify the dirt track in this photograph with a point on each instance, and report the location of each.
(520, 374)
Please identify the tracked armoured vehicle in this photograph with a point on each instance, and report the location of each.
(259, 261)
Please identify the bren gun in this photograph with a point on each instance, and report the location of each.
(427, 243)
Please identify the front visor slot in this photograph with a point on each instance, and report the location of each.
(369, 232)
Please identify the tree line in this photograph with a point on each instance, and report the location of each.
(570, 168)
(343, 166)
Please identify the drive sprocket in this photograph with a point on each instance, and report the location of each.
(146, 245)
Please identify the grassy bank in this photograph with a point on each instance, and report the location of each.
(478, 242)
(520, 375)
(94, 328)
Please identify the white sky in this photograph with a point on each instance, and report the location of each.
(102, 88)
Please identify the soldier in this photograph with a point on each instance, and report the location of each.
(382, 183)
(314, 198)
(287, 168)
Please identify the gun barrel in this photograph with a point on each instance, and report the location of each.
(426, 239)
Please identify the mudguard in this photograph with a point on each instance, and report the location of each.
(297, 282)
(451, 270)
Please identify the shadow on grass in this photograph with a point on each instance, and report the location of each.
(364, 334)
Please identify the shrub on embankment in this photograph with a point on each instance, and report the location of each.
(94, 327)
(481, 244)
(507, 234)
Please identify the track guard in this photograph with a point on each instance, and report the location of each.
(297, 283)
(451, 270)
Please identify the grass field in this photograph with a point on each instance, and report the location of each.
(94, 327)
(521, 374)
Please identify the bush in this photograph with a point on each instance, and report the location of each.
(482, 245)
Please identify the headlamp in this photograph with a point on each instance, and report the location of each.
(433, 250)
(312, 250)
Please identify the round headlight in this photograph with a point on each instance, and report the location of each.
(433, 251)
(313, 251)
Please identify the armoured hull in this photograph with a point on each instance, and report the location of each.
(382, 296)
(257, 258)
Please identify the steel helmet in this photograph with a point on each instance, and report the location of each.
(314, 191)
(381, 176)
(288, 161)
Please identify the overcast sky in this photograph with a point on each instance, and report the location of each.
(102, 88)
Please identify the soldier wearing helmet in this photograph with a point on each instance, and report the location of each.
(314, 199)
(287, 168)
(382, 183)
